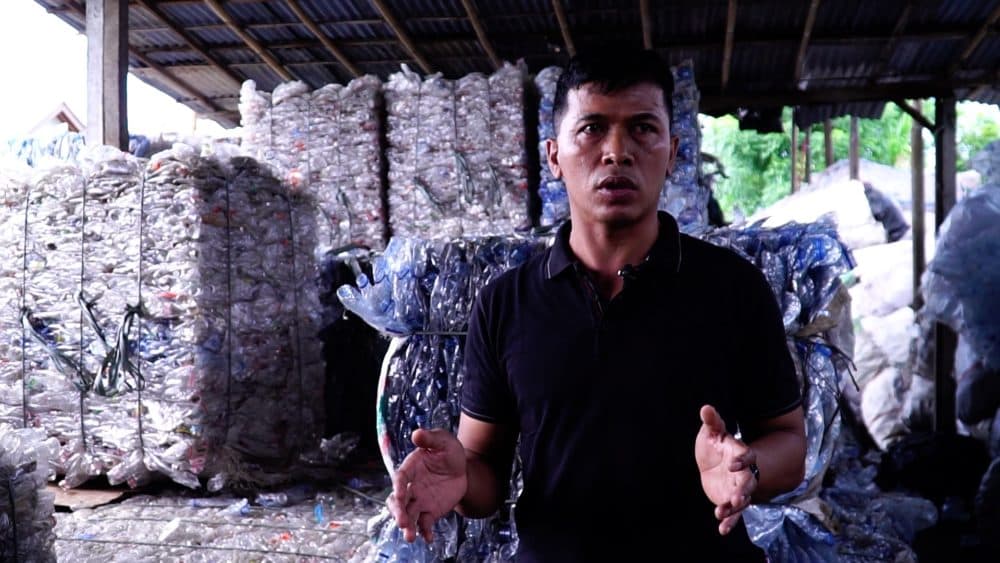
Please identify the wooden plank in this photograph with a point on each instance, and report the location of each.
(404, 38)
(646, 18)
(828, 142)
(890, 44)
(75, 499)
(917, 209)
(727, 50)
(795, 157)
(807, 173)
(944, 200)
(917, 116)
(923, 86)
(853, 159)
(557, 7)
(107, 67)
(477, 26)
(944, 172)
(252, 43)
(318, 33)
(977, 38)
(189, 40)
(800, 59)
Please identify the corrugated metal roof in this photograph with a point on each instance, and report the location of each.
(846, 67)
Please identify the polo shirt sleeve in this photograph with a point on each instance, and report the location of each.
(486, 395)
(769, 382)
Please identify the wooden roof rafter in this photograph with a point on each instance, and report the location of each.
(404, 38)
(727, 50)
(973, 42)
(563, 21)
(165, 74)
(477, 26)
(646, 18)
(800, 58)
(897, 32)
(254, 45)
(296, 8)
(186, 37)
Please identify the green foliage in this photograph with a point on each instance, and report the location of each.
(759, 165)
(977, 127)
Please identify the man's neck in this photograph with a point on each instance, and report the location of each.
(604, 250)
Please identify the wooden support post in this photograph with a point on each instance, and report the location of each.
(795, 154)
(646, 19)
(853, 150)
(917, 220)
(944, 199)
(107, 67)
(828, 141)
(917, 217)
(557, 7)
(807, 173)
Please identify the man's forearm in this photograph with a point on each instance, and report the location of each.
(482, 496)
(781, 462)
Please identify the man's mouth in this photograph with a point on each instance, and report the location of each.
(616, 183)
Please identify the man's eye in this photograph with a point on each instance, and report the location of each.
(646, 128)
(591, 128)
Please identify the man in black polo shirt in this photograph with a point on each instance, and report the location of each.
(645, 371)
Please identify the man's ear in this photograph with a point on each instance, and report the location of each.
(552, 156)
(674, 145)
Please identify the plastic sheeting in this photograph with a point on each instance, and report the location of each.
(63, 147)
(457, 154)
(303, 523)
(324, 143)
(551, 190)
(682, 196)
(422, 292)
(26, 508)
(961, 284)
(170, 320)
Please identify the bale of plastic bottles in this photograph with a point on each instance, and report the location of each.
(26, 507)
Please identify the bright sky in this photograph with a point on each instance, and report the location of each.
(44, 63)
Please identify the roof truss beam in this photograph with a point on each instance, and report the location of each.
(404, 38)
(645, 16)
(296, 8)
(916, 114)
(800, 59)
(254, 45)
(477, 26)
(560, 12)
(973, 42)
(188, 38)
(727, 50)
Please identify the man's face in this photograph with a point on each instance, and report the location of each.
(613, 151)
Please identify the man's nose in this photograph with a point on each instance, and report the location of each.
(617, 148)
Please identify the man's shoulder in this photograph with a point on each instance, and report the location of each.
(699, 257)
(503, 286)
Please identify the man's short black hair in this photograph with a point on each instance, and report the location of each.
(613, 70)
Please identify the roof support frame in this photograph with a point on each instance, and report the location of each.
(196, 45)
(296, 8)
(916, 114)
(800, 59)
(973, 42)
(557, 7)
(727, 51)
(890, 45)
(179, 84)
(397, 28)
(477, 26)
(646, 18)
(254, 45)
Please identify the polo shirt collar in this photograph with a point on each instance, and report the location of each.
(665, 256)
